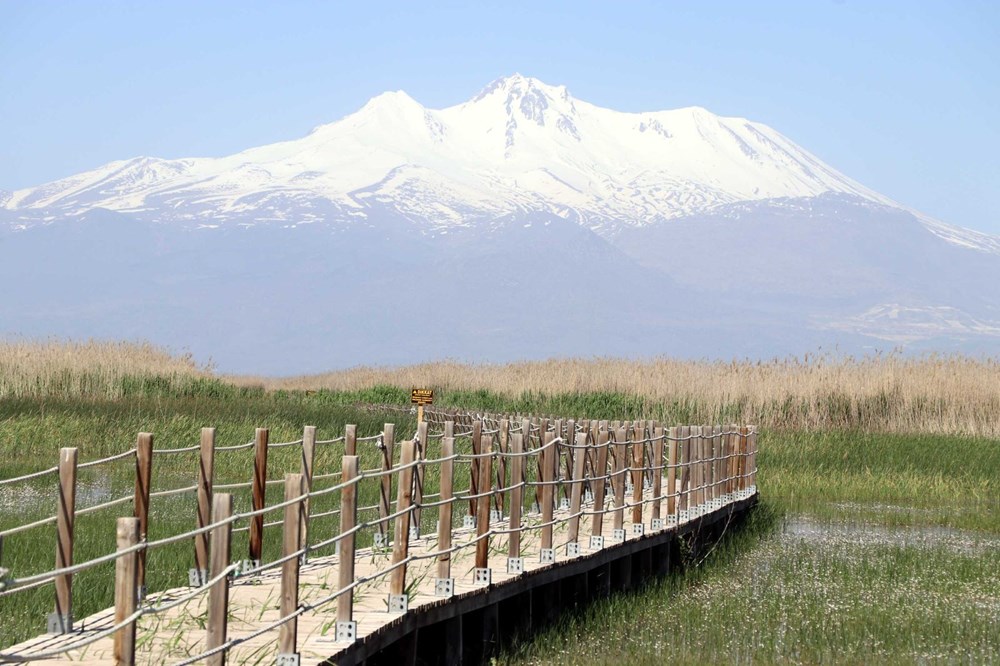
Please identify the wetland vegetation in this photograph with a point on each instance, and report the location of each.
(876, 541)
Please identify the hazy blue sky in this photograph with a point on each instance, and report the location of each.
(902, 96)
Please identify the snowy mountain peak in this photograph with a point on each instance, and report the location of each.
(517, 86)
(519, 146)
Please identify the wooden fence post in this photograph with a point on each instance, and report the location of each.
(753, 457)
(672, 472)
(638, 469)
(525, 446)
(61, 622)
(684, 459)
(570, 456)
(477, 444)
(291, 537)
(716, 457)
(514, 562)
(695, 442)
(656, 519)
(708, 448)
(418, 473)
(398, 601)
(259, 494)
(445, 584)
(576, 496)
(308, 460)
(140, 502)
(699, 475)
(504, 444)
(206, 471)
(557, 427)
(706, 466)
(600, 487)
(618, 484)
(126, 590)
(549, 460)
(734, 443)
(350, 440)
(346, 627)
(707, 440)
(218, 594)
(482, 574)
(385, 484)
(647, 451)
(589, 468)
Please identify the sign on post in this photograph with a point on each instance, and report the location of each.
(421, 397)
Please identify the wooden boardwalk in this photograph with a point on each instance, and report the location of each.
(703, 483)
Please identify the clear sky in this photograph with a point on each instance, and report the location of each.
(902, 96)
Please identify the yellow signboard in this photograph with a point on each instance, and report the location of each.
(421, 396)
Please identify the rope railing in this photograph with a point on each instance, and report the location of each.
(690, 470)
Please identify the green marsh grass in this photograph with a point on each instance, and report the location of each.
(876, 542)
(867, 548)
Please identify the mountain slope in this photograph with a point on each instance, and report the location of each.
(518, 145)
(522, 223)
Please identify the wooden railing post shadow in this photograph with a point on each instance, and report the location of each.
(61, 621)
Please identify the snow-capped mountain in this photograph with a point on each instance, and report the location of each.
(679, 207)
(518, 145)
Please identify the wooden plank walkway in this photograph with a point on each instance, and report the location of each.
(682, 478)
(179, 633)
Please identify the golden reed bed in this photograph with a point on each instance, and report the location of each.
(937, 394)
(92, 368)
(885, 393)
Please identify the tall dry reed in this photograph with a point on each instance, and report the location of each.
(93, 368)
(883, 393)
